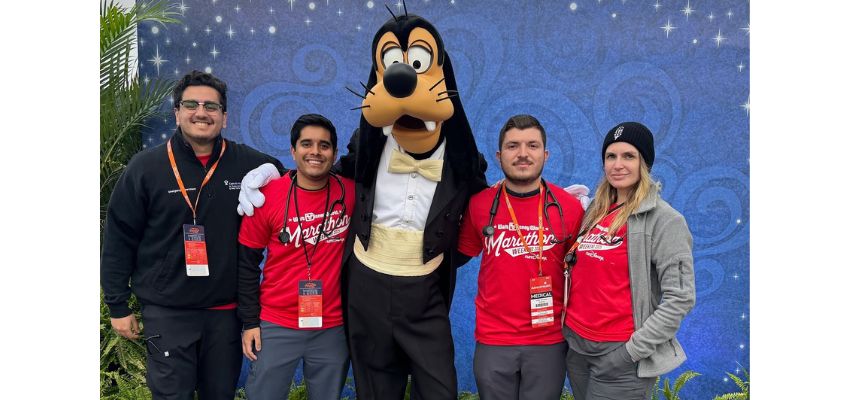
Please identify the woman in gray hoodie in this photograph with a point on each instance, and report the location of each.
(630, 278)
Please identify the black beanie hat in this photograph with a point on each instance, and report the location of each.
(635, 134)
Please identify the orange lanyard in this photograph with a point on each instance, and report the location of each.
(539, 227)
(206, 178)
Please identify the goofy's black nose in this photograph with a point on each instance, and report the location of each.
(400, 80)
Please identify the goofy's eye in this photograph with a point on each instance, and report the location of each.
(392, 56)
(419, 58)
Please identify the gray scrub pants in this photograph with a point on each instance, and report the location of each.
(325, 356)
(612, 375)
(519, 372)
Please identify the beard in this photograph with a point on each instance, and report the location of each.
(523, 179)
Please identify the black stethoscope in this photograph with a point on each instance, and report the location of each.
(284, 236)
(488, 230)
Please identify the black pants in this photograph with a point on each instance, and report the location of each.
(192, 350)
(399, 325)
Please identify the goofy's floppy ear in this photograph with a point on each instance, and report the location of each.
(459, 139)
(369, 139)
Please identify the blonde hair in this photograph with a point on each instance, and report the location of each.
(606, 196)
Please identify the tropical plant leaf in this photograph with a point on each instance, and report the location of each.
(656, 389)
(464, 395)
(732, 396)
(682, 379)
(118, 36)
(125, 106)
(740, 383)
(668, 394)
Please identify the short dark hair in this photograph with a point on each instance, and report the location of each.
(521, 121)
(198, 78)
(315, 120)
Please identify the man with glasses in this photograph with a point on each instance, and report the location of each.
(172, 231)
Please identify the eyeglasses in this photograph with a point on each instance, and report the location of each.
(209, 106)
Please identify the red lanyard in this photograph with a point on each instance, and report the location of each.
(206, 178)
(539, 227)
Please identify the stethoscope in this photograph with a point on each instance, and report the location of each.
(284, 236)
(489, 230)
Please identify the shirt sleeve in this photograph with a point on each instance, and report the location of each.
(254, 234)
(248, 286)
(256, 230)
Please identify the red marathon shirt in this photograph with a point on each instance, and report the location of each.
(502, 305)
(286, 264)
(600, 304)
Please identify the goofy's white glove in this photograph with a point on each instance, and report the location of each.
(580, 192)
(249, 193)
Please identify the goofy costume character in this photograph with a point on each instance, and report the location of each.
(415, 165)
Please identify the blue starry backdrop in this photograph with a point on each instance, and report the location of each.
(582, 66)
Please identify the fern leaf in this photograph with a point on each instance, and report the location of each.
(682, 379)
(738, 381)
(668, 394)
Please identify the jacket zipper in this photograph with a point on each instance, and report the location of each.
(681, 283)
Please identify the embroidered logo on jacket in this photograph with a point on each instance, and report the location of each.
(232, 185)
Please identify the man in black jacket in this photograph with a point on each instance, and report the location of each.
(171, 231)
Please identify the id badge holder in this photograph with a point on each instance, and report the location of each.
(542, 305)
(195, 246)
(309, 304)
(569, 262)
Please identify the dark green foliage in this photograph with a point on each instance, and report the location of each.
(125, 104)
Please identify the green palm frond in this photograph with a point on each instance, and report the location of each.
(125, 106)
(125, 102)
(118, 36)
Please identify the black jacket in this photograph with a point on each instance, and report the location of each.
(143, 236)
(450, 200)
